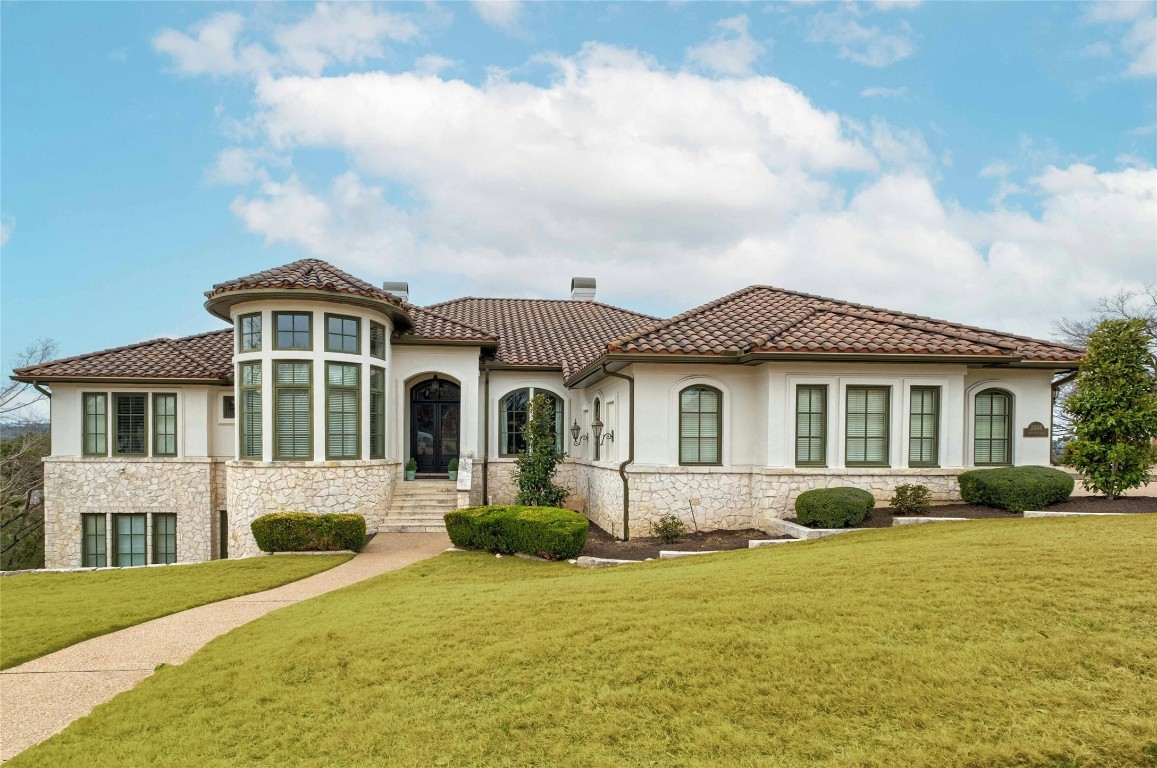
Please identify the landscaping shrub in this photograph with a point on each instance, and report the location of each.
(669, 529)
(307, 532)
(1016, 488)
(833, 507)
(550, 532)
(911, 499)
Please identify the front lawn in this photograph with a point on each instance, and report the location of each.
(1010, 643)
(44, 612)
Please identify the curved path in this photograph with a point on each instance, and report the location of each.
(41, 697)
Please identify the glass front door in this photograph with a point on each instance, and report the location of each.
(434, 425)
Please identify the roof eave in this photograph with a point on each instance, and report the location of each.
(118, 380)
(220, 304)
(420, 341)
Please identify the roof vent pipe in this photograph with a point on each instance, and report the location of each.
(401, 290)
(582, 289)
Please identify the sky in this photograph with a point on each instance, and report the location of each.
(986, 163)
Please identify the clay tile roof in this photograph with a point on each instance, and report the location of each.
(306, 274)
(204, 356)
(540, 332)
(435, 326)
(767, 319)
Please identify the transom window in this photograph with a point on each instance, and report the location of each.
(164, 425)
(378, 340)
(341, 334)
(924, 427)
(293, 431)
(94, 541)
(341, 411)
(95, 424)
(515, 407)
(129, 542)
(293, 330)
(867, 427)
(377, 412)
(249, 333)
(810, 426)
(131, 435)
(249, 431)
(164, 538)
(993, 428)
(700, 425)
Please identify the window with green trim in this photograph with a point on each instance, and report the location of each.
(129, 541)
(341, 334)
(94, 541)
(95, 424)
(514, 412)
(867, 427)
(293, 330)
(292, 424)
(130, 436)
(164, 538)
(378, 340)
(341, 411)
(249, 333)
(924, 427)
(810, 426)
(992, 428)
(377, 412)
(164, 425)
(249, 431)
(700, 425)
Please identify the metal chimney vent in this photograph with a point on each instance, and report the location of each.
(582, 288)
(401, 290)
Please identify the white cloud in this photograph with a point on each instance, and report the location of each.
(730, 51)
(1140, 39)
(503, 14)
(243, 165)
(1144, 130)
(996, 169)
(433, 64)
(880, 92)
(1101, 49)
(871, 46)
(7, 227)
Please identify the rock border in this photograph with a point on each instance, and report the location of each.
(667, 554)
(1046, 513)
(917, 520)
(586, 561)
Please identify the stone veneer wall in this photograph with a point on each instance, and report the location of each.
(502, 490)
(74, 486)
(258, 488)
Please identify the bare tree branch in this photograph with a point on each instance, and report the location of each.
(16, 396)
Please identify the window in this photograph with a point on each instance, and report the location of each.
(991, 444)
(598, 417)
(293, 432)
(165, 538)
(131, 433)
(229, 407)
(378, 340)
(93, 534)
(341, 334)
(924, 427)
(164, 425)
(293, 330)
(810, 426)
(129, 542)
(249, 333)
(867, 428)
(250, 428)
(515, 412)
(700, 425)
(377, 412)
(95, 424)
(341, 411)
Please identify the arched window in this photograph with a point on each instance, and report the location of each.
(992, 436)
(700, 425)
(513, 410)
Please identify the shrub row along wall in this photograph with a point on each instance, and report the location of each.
(306, 532)
(556, 534)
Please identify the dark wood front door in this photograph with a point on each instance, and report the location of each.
(435, 408)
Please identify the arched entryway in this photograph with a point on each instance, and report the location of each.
(435, 424)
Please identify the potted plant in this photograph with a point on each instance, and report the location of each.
(411, 469)
(452, 470)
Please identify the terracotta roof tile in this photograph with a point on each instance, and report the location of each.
(432, 325)
(204, 356)
(306, 274)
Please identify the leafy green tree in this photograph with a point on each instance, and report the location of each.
(1114, 409)
(534, 468)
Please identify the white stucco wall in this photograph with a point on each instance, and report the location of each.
(415, 363)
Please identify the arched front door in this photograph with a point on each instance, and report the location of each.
(435, 406)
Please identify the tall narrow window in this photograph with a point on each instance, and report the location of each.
(512, 421)
(377, 412)
(250, 422)
(129, 542)
(700, 425)
(341, 411)
(993, 428)
(924, 427)
(249, 333)
(131, 435)
(95, 424)
(164, 538)
(228, 407)
(293, 433)
(94, 541)
(867, 435)
(341, 334)
(810, 426)
(598, 418)
(378, 340)
(294, 330)
(164, 425)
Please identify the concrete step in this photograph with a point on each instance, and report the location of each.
(391, 528)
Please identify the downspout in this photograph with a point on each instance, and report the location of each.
(630, 450)
(36, 385)
(486, 437)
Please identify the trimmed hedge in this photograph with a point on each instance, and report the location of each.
(833, 507)
(307, 532)
(550, 532)
(1016, 488)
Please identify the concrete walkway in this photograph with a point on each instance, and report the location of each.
(42, 696)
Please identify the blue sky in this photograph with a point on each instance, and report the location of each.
(990, 163)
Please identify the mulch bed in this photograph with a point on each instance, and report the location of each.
(881, 517)
(602, 544)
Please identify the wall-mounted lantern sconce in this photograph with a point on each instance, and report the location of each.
(597, 426)
(574, 433)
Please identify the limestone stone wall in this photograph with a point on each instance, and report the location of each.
(258, 488)
(600, 490)
(74, 486)
(704, 498)
(502, 489)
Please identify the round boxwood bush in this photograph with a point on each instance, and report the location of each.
(833, 507)
(307, 532)
(1016, 488)
(550, 532)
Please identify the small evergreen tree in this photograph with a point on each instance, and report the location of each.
(1114, 409)
(534, 468)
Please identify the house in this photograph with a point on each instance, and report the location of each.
(325, 384)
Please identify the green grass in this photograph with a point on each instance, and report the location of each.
(41, 613)
(989, 643)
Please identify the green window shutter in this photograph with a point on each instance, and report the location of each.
(700, 425)
(293, 432)
(866, 439)
(95, 440)
(131, 431)
(810, 426)
(164, 425)
(341, 417)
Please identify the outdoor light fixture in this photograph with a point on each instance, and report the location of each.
(435, 384)
(574, 433)
(597, 426)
